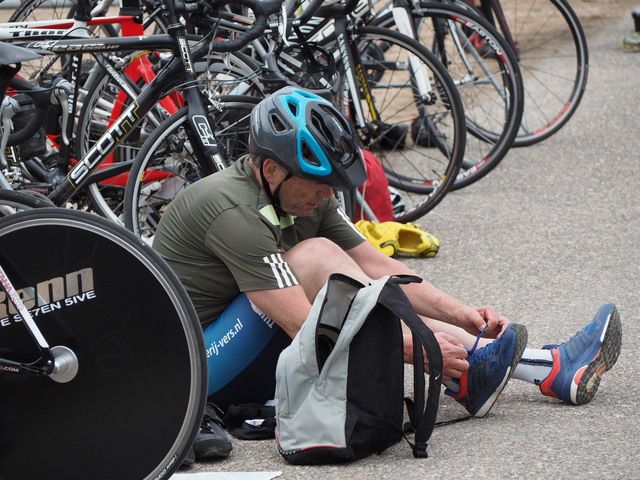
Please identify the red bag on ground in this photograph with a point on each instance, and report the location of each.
(375, 191)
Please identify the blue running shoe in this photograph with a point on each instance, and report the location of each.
(579, 363)
(490, 368)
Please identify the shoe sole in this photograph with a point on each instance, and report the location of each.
(189, 459)
(216, 451)
(522, 337)
(603, 362)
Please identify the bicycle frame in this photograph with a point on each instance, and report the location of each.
(492, 11)
(176, 71)
(179, 69)
(342, 25)
(138, 70)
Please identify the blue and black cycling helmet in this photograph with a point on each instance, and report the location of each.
(308, 136)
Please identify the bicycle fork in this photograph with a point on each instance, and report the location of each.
(358, 84)
(420, 76)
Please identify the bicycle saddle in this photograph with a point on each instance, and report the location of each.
(10, 54)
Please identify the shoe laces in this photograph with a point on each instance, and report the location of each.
(478, 355)
(472, 356)
(478, 337)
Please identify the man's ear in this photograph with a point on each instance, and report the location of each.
(272, 170)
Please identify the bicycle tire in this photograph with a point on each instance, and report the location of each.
(104, 99)
(141, 380)
(166, 165)
(487, 75)
(36, 10)
(12, 201)
(419, 141)
(105, 96)
(554, 61)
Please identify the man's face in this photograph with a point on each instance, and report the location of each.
(300, 197)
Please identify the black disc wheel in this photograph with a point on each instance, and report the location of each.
(133, 408)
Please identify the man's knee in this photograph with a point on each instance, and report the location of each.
(316, 246)
(314, 260)
(315, 251)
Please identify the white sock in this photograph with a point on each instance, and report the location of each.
(453, 386)
(534, 366)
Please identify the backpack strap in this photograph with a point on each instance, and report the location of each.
(423, 416)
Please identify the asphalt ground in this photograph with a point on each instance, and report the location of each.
(549, 236)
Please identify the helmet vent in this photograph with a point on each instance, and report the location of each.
(308, 154)
(278, 125)
(321, 127)
(293, 107)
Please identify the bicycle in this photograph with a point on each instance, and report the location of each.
(90, 127)
(484, 68)
(82, 357)
(12, 201)
(178, 71)
(404, 108)
(552, 51)
(86, 359)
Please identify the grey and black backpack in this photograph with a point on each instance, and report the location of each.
(340, 384)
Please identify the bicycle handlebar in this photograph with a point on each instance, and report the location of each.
(262, 9)
(41, 103)
(315, 8)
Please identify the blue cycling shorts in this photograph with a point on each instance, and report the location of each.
(242, 348)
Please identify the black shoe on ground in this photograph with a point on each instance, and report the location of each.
(190, 459)
(211, 440)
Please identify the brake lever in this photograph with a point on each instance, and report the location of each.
(8, 109)
(62, 90)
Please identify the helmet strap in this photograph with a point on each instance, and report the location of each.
(275, 195)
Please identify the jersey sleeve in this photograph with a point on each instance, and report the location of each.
(338, 227)
(249, 247)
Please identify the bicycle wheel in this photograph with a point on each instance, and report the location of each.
(105, 100)
(103, 104)
(136, 402)
(12, 201)
(553, 57)
(167, 163)
(419, 136)
(486, 73)
(49, 66)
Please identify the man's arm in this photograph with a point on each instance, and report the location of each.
(288, 307)
(313, 262)
(427, 300)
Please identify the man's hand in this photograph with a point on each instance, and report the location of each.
(473, 320)
(454, 355)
